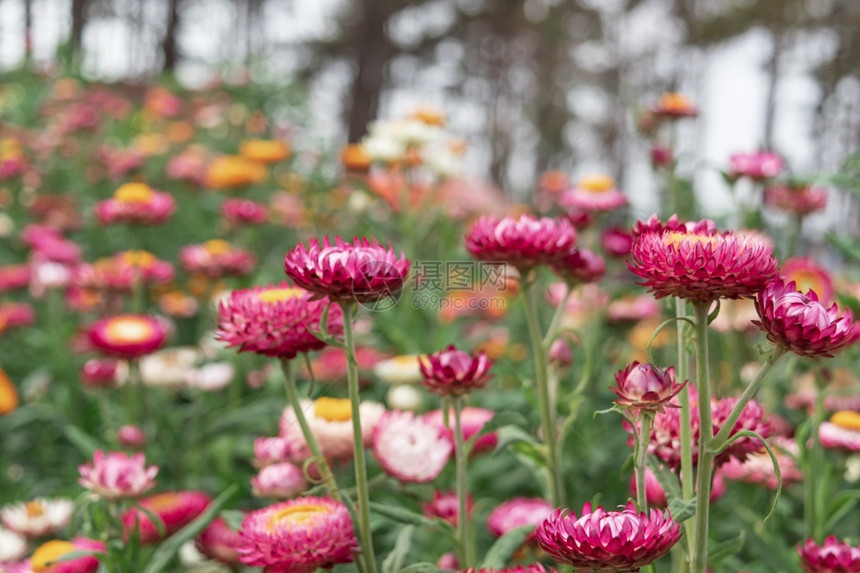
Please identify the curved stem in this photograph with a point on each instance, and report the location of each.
(681, 371)
(463, 521)
(641, 460)
(363, 497)
(699, 556)
(546, 408)
(556, 318)
(293, 396)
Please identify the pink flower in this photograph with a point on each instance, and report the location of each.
(410, 448)
(632, 309)
(131, 436)
(701, 266)
(361, 271)
(298, 536)
(758, 467)
(217, 258)
(808, 275)
(274, 450)
(580, 266)
(136, 203)
(446, 507)
(279, 481)
(123, 271)
(453, 372)
(276, 320)
(524, 243)
(219, 542)
(645, 387)
(243, 212)
(516, 513)
(661, 156)
(16, 315)
(616, 242)
(330, 421)
(14, 277)
(800, 199)
(99, 373)
(175, 509)
(533, 568)
(594, 194)
(757, 166)
(842, 432)
(117, 475)
(833, 556)
(624, 540)
(50, 557)
(128, 336)
(472, 420)
(655, 225)
(801, 324)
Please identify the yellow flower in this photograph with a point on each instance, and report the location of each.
(231, 171)
(8, 395)
(265, 150)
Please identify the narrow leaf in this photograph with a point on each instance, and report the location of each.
(503, 549)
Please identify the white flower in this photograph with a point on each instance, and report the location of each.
(168, 368)
(408, 131)
(330, 420)
(403, 369)
(12, 546)
(383, 148)
(37, 518)
(211, 377)
(410, 449)
(404, 398)
(443, 162)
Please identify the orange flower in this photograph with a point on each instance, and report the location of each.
(354, 158)
(265, 151)
(179, 132)
(231, 171)
(8, 395)
(429, 114)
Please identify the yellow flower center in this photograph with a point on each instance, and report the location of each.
(675, 239)
(34, 508)
(806, 281)
(162, 502)
(333, 409)
(129, 329)
(134, 193)
(407, 360)
(217, 247)
(674, 101)
(140, 259)
(597, 183)
(279, 294)
(846, 419)
(48, 554)
(294, 515)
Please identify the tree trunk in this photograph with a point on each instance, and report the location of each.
(79, 20)
(169, 46)
(28, 30)
(371, 56)
(773, 66)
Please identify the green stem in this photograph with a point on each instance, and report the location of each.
(546, 408)
(293, 396)
(463, 521)
(750, 391)
(363, 497)
(556, 318)
(641, 462)
(813, 466)
(681, 372)
(699, 556)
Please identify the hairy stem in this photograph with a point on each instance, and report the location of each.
(641, 459)
(682, 374)
(699, 556)
(463, 521)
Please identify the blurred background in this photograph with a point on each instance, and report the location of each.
(531, 84)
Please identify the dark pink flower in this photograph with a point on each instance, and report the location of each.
(757, 166)
(655, 225)
(362, 271)
(702, 266)
(798, 322)
(131, 436)
(243, 212)
(219, 542)
(808, 275)
(298, 536)
(175, 509)
(623, 540)
(758, 467)
(128, 336)
(524, 243)
(453, 372)
(276, 320)
(516, 513)
(833, 556)
(472, 420)
(99, 373)
(580, 266)
(800, 199)
(217, 258)
(645, 387)
(533, 568)
(661, 156)
(136, 203)
(616, 242)
(14, 277)
(593, 194)
(445, 506)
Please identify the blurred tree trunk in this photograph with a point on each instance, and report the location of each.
(773, 71)
(28, 30)
(372, 52)
(79, 20)
(169, 46)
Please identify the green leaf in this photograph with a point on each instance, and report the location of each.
(840, 506)
(503, 549)
(249, 414)
(394, 562)
(849, 249)
(170, 547)
(725, 549)
(411, 518)
(773, 460)
(682, 509)
(87, 444)
(669, 481)
(420, 568)
(233, 518)
(153, 517)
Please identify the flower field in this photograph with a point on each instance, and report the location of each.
(226, 346)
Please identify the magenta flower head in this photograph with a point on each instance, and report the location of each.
(276, 320)
(833, 556)
(453, 372)
(524, 243)
(800, 200)
(800, 323)
(758, 166)
(444, 505)
(218, 541)
(117, 475)
(533, 568)
(518, 512)
(655, 225)
(361, 271)
(175, 509)
(623, 540)
(136, 203)
(702, 266)
(217, 258)
(594, 194)
(298, 536)
(237, 212)
(128, 336)
(580, 266)
(645, 387)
